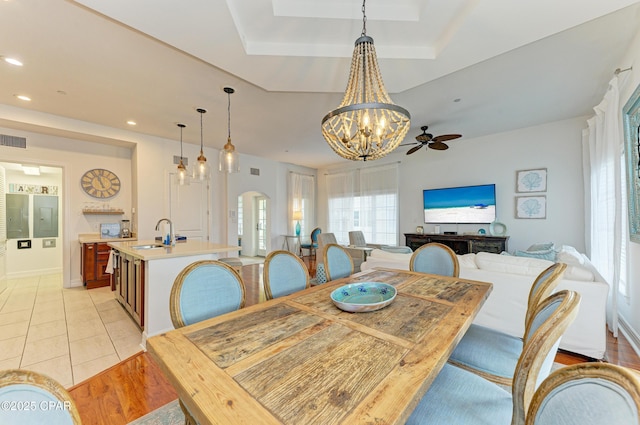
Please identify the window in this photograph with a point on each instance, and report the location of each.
(367, 200)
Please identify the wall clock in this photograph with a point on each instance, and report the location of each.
(100, 183)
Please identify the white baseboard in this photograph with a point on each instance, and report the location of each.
(31, 273)
(629, 333)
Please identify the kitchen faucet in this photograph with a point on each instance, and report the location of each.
(172, 239)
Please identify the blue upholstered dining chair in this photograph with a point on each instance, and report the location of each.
(284, 273)
(493, 354)
(313, 242)
(435, 258)
(337, 262)
(587, 394)
(205, 289)
(458, 396)
(37, 398)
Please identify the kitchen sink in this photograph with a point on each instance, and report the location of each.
(148, 246)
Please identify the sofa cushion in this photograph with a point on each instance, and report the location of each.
(579, 273)
(510, 264)
(569, 255)
(468, 261)
(383, 254)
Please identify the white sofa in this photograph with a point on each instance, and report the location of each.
(512, 277)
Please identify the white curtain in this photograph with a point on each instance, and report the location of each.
(302, 195)
(603, 147)
(365, 199)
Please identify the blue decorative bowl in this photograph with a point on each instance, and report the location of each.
(363, 296)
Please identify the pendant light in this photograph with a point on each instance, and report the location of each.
(367, 124)
(183, 175)
(229, 161)
(201, 170)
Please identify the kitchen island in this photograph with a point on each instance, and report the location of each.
(144, 273)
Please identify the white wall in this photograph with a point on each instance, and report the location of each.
(495, 159)
(37, 259)
(630, 307)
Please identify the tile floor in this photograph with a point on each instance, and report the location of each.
(68, 334)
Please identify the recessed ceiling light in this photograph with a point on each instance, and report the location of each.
(131, 122)
(13, 61)
(23, 97)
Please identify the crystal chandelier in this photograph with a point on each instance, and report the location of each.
(229, 161)
(367, 125)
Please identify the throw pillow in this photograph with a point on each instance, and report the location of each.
(541, 246)
(570, 255)
(548, 254)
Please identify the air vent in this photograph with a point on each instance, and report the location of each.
(13, 141)
(255, 171)
(176, 160)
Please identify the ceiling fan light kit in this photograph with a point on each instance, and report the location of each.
(367, 125)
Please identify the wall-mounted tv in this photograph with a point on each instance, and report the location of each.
(466, 204)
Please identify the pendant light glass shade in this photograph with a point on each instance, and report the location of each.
(367, 125)
(201, 171)
(229, 161)
(183, 173)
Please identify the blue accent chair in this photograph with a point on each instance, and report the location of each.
(458, 396)
(587, 394)
(27, 388)
(435, 258)
(205, 289)
(284, 273)
(337, 262)
(493, 354)
(313, 243)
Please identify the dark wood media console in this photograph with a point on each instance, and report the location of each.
(461, 244)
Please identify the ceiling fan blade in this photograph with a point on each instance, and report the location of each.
(413, 149)
(439, 146)
(409, 144)
(445, 137)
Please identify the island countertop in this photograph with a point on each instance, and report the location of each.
(180, 249)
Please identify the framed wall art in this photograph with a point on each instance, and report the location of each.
(531, 206)
(531, 180)
(631, 120)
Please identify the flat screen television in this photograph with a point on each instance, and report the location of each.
(466, 204)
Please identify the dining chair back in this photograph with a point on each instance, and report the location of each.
(205, 289)
(587, 394)
(312, 246)
(284, 273)
(337, 262)
(356, 238)
(37, 398)
(460, 396)
(493, 354)
(435, 258)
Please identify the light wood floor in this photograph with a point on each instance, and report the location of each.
(136, 386)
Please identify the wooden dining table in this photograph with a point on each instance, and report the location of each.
(301, 360)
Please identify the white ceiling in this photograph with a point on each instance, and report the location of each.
(510, 63)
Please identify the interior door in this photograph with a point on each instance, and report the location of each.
(189, 209)
(262, 221)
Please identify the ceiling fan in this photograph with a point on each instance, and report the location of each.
(427, 139)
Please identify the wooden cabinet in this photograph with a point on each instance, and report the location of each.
(94, 260)
(461, 244)
(129, 282)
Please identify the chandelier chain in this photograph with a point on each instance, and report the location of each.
(229, 113)
(364, 19)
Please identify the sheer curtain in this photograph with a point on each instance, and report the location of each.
(604, 215)
(302, 195)
(364, 199)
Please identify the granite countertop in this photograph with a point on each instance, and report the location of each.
(95, 237)
(180, 249)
